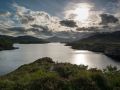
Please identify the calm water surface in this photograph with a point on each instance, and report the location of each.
(12, 59)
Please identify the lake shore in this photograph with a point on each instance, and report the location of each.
(27, 53)
(107, 43)
(109, 49)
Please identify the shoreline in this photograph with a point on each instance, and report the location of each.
(112, 52)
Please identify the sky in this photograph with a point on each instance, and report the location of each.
(33, 17)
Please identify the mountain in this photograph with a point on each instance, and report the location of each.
(6, 42)
(66, 37)
(23, 39)
(28, 40)
(6, 37)
(106, 42)
(111, 37)
(59, 39)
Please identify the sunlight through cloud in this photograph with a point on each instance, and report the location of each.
(82, 12)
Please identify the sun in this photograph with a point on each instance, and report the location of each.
(82, 12)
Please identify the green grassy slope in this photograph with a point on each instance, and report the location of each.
(44, 74)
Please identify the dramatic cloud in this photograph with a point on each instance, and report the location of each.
(83, 14)
(68, 23)
(37, 19)
(28, 17)
(94, 8)
(26, 21)
(106, 19)
(5, 20)
(46, 17)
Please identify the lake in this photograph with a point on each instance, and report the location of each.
(27, 53)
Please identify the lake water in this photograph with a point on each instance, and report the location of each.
(12, 59)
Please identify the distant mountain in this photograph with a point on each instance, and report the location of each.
(28, 39)
(6, 42)
(23, 39)
(107, 43)
(45, 33)
(59, 39)
(66, 37)
(104, 37)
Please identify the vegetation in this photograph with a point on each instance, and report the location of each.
(107, 43)
(6, 44)
(44, 74)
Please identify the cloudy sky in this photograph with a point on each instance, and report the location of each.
(19, 17)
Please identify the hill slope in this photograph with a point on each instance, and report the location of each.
(44, 74)
(6, 42)
(28, 39)
(59, 39)
(107, 43)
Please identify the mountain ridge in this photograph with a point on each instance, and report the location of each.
(107, 43)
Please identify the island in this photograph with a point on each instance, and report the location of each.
(44, 74)
(105, 42)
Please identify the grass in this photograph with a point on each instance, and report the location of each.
(44, 74)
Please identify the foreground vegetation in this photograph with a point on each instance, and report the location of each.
(44, 74)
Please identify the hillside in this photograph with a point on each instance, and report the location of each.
(28, 40)
(6, 43)
(44, 74)
(59, 39)
(107, 43)
(23, 39)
